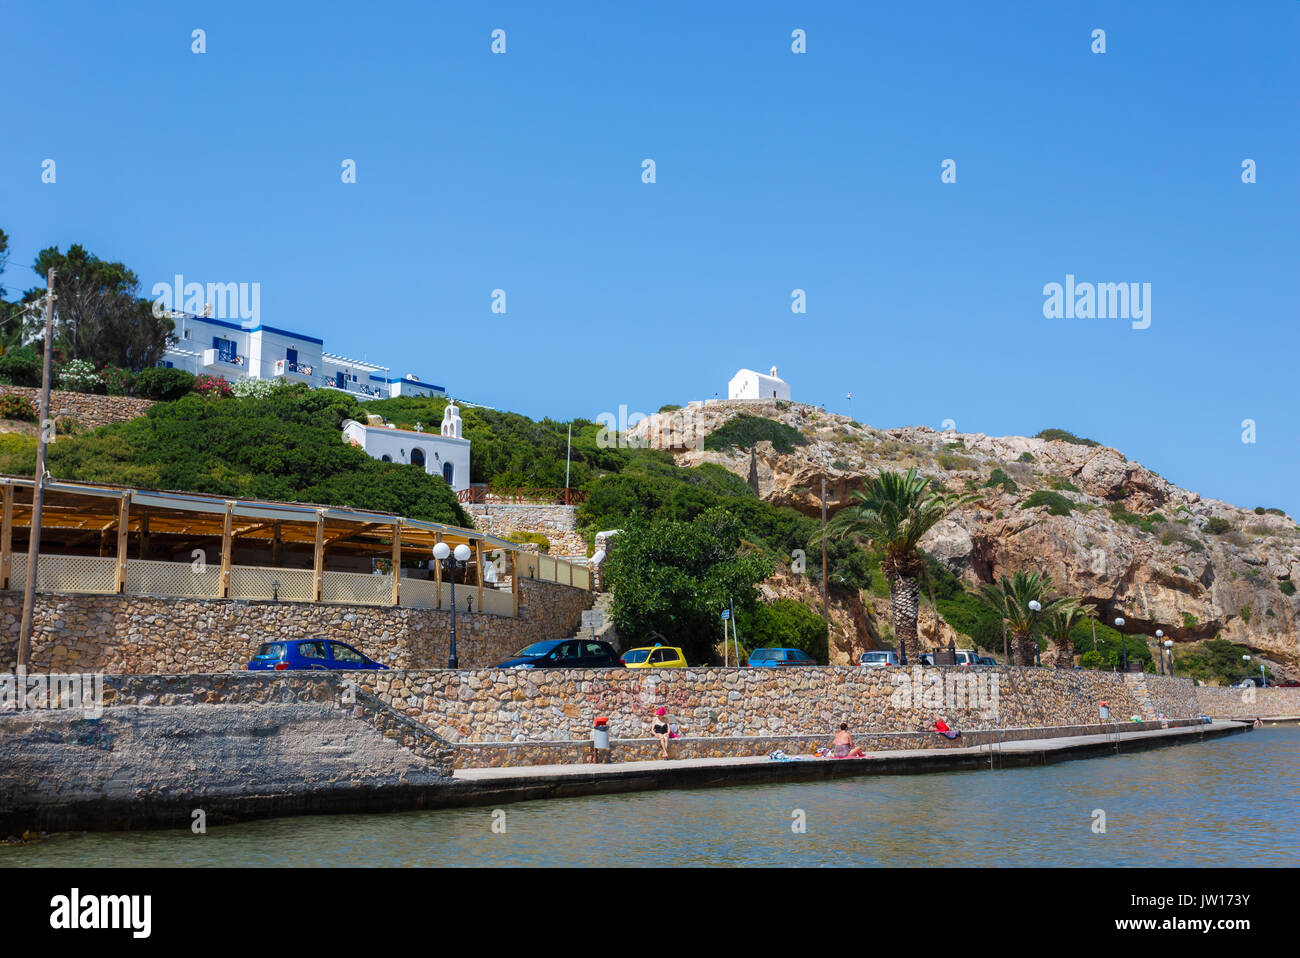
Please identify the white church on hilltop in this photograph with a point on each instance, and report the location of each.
(748, 384)
(445, 454)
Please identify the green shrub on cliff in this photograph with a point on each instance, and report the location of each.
(1062, 435)
(745, 432)
(1057, 504)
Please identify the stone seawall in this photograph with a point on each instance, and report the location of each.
(147, 634)
(1248, 703)
(87, 409)
(515, 705)
(558, 523)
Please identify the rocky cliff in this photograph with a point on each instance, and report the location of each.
(1103, 526)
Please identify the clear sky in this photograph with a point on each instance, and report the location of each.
(775, 171)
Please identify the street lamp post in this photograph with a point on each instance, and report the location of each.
(451, 561)
(1160, 648)
(1123, 649)
(1035, 608)
(1169, 650)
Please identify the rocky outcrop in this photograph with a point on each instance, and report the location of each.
(1125, 537)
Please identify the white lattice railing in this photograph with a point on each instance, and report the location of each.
(187, 579)
(97, 574)
(260, 582)
(419, 593)
(357, 588)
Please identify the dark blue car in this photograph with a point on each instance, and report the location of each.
(319, 655)
(565, 654)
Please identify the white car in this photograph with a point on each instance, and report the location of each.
(879, 660)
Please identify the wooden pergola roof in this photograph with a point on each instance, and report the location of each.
(92, 508)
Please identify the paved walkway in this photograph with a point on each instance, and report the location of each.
(1063, 743)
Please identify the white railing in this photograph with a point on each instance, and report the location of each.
(197, 580)
(191, 580)
(94, 574)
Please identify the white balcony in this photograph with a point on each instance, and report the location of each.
(295, 372)
(222, 360)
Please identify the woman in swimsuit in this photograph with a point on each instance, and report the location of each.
(660, 729)
(843, 746)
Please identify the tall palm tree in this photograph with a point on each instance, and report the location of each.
(893, 512)
(1059, 624)
(1010, 598)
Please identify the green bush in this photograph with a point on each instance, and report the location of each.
(669, 407)
(999, 478)
(1145, 523)
(1026, 457)
(117, 381)
(17, 407)
(1218, 526)
(1061, 484)
(785, 623)
(21, 366)
(1061, 435)
(1287, 587)
(163, 383)
(543, 544)
(953, 463)
(745, 432)
(1057, 504)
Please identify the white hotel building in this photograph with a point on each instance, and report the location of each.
(234, 351)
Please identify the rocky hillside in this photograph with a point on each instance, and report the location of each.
(1101, 525)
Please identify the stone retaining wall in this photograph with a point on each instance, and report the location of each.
(87, 409)
(580, 752)
(557, 705)
(558, 523)
(147, 634)
(1248, 703)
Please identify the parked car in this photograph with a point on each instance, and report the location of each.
(565, 654)
(924, 658)
(779, 658)
(654, 657)
(879, 659)
(1287, 684)
(968, 657)
(312, 655)
(987, 660)
(1248, 681)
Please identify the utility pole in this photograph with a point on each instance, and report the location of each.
(38, 489)
(826, 606)
(568, 455)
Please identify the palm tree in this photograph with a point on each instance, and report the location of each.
(1010, 598)
(1059, 624)
(893, 512)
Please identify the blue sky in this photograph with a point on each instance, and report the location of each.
(775, 171)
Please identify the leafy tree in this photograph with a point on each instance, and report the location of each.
(99, 315)
(894, 512)
(785, 623)
(674, 578)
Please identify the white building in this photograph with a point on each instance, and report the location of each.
(232, 351)
(748, 384)
(443, 454)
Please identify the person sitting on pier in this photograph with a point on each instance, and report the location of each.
(942, 728)
(843, 746)
(660, 730)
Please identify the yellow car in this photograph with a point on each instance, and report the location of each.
(656, 657)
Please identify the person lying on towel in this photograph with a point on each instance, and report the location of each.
(942, 728)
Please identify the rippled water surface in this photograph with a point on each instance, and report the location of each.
(1227, 801)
